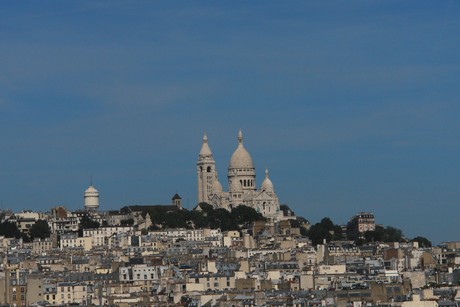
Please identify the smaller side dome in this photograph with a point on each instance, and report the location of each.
(267, 184)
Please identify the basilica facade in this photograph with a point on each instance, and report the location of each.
(241, 177)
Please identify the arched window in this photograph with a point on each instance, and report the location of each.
(209, 169)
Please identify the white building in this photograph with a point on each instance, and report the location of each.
(188, 234)
(141, 273)
(68, 293)
(71, 240)
(100, 236)
(241, 183)
(91, 197)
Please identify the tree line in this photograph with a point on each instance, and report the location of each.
(327, 231)
(38, 230)
(236, 219)
(206, 217)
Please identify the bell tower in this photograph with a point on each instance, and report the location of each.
(206, 171)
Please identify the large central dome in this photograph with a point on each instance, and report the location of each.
(241, 159)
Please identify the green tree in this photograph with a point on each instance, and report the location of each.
(206, 207)
(422, 241)
(198, 219)
(86, 223)
(9, 230)
(40, 229)
(175, 219)
(376, 235)
(381, 234)
(221, 218)
(324, 230)
(245, 215)
(126, 222)
(393, 234)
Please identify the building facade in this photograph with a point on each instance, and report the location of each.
(360, 223)
(241, 178)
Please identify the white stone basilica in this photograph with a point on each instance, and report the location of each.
(241, 183)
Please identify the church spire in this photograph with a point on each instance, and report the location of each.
(240, 137)
(205, 150)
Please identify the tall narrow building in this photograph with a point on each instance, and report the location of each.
(206, 171)
(91, 197)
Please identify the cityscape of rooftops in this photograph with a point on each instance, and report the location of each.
(286, 147)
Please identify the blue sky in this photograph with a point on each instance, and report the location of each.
(352, 105)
